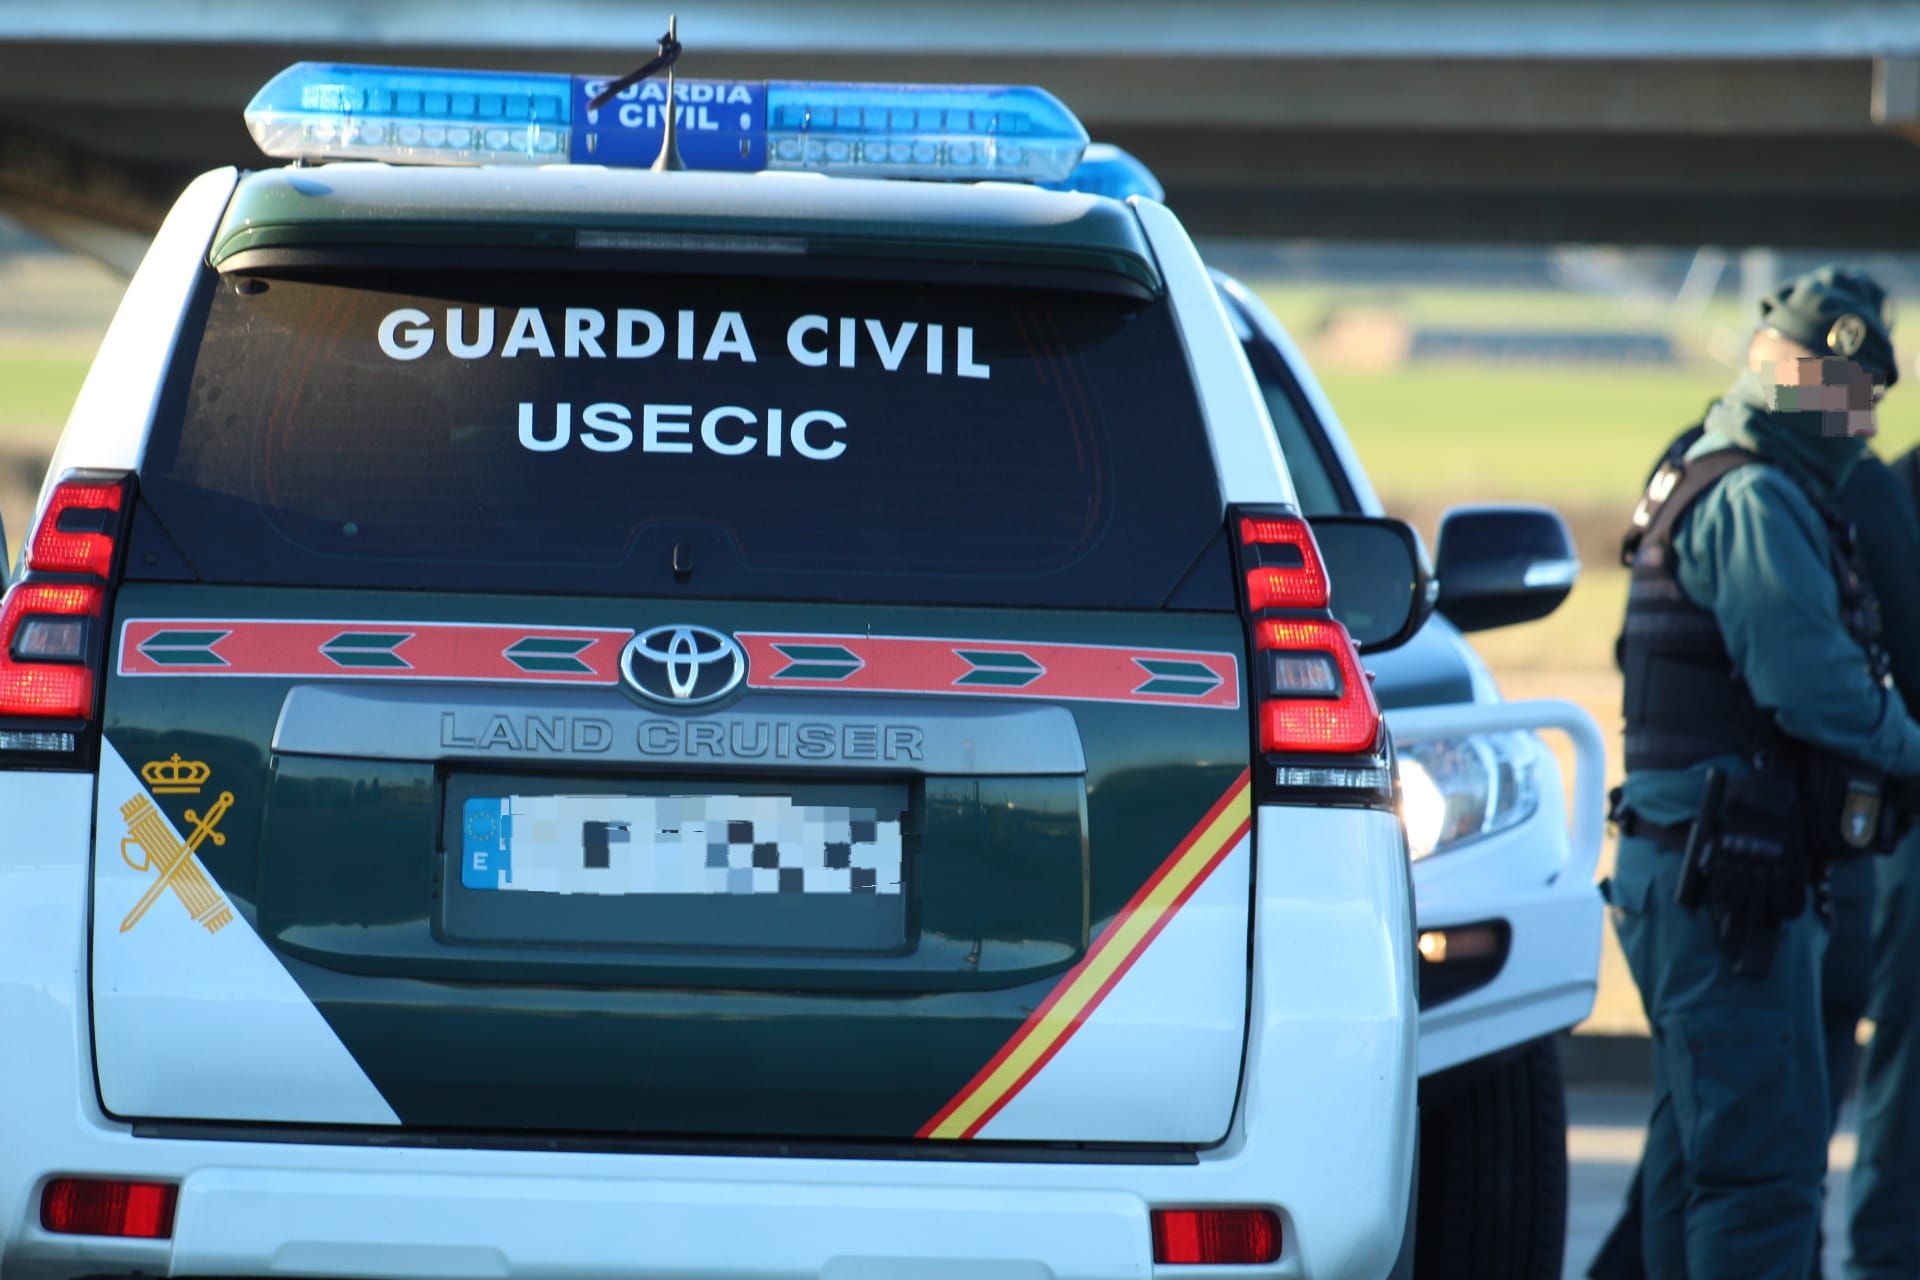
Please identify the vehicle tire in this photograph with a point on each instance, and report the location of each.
(1493, 1169)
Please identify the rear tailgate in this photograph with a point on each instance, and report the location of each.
(760, 728)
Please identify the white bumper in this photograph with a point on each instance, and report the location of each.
(1323, 1132)
(1536, 877)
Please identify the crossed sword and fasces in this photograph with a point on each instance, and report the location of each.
(161, 851)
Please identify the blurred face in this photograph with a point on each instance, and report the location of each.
(1838, 390)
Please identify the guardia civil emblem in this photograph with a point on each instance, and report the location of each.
(159, 851)
(1847, 335)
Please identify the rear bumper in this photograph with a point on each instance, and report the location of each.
(1323, 1131)
(606, 1222)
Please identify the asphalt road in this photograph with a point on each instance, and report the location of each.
(1604, 1133)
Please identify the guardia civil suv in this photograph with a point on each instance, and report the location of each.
(561, 719)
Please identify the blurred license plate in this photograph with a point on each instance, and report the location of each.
(641, 845)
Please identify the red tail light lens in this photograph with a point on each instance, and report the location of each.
(109, 1207)
(75, 533)
(1215, 1237)
(1319, 729)
(1286, 571)
(50, 630)
(1317, 698)
(43, 647)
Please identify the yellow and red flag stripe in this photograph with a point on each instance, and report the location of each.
(1078, 993)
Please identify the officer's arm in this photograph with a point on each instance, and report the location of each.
(1754, 552)
(1882, 510)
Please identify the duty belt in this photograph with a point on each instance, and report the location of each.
(1668, 839)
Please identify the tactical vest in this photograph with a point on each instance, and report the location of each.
(1684, 702)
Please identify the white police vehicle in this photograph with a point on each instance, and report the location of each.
(1508, 920)
(566, 720)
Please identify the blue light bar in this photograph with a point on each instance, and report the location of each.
(411, 115)
(1106, 170)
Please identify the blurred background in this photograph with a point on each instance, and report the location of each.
(1519, 240)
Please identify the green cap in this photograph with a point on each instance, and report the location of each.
(1836, 311)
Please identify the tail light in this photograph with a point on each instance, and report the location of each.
(109, 1207)
(52, 636)
(1319, 727)
(76, 533)
(1215, 1237)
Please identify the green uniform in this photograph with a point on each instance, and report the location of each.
(1884, 1227)
(1889, 546)
(1736, 1146)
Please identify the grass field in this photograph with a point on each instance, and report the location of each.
(1571, 435)
(39, 381)
(53, 311)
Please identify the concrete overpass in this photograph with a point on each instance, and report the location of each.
(1655, 121)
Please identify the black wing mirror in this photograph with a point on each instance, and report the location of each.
(1382, 590)
(1502, 565)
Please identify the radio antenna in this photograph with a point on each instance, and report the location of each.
(668, 54)
(669, 158)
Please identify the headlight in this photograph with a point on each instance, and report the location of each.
(1457, 789)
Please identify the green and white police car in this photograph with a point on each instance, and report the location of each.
(561, 719)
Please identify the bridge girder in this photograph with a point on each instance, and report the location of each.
(1629, 121)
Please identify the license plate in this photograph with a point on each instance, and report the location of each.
(716, 845)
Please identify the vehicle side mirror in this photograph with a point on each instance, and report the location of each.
(1502, 565)
(1382, 589)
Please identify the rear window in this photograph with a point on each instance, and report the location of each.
(782, 438)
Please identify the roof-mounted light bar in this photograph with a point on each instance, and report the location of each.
(1106, 170)
(407, 115)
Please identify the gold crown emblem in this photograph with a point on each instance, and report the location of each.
(176, 777)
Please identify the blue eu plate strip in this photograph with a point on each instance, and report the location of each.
(486, 850)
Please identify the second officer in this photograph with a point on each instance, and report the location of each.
(1759, 724)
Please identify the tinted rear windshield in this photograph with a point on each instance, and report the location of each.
(780, 438)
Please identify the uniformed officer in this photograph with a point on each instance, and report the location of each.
(1883, 1229)
(1758, 725)
(1872, 959)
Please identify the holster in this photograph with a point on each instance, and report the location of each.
(1746, 864)
(1696, 858)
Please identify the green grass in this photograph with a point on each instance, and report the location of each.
(53, 310)
(1574, 435)
(37, 387)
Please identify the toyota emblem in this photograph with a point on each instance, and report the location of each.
(683, 666)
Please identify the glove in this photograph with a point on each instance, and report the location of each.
(1759, 874)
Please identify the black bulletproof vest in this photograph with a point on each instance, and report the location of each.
(1684, 702)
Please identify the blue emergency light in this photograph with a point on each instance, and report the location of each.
(412, 115)
(1106, 170)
